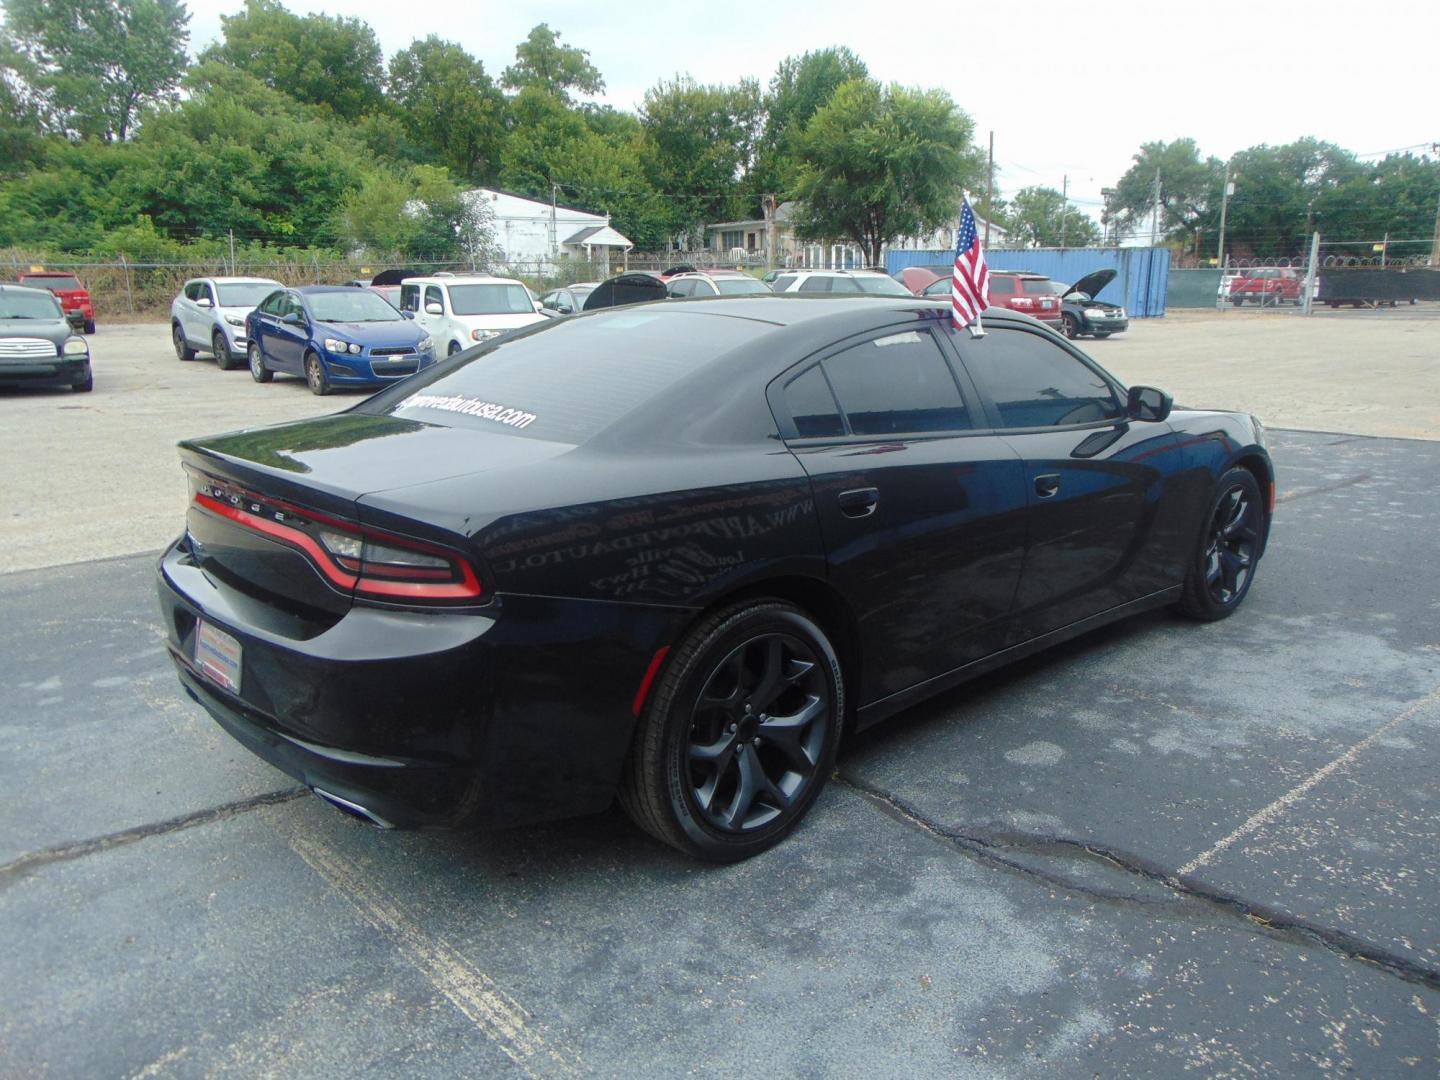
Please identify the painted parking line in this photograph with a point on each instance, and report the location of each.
(497, 1015)
(1263, 817)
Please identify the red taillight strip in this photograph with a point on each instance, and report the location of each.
(285, 534)
(467, 588)
(650, 672)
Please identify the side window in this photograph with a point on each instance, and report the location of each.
(207, 293)
(681, 289)
(192, 290)
(845, 285)
(434, 295)
(812, 406)
(816, 284)
(273, 303)
(409, 297)
(783, 283)
(1002, 286)
(294, 307)
(1036, 383)
(895, 384)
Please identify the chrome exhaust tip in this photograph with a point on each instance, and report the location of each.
(354, 809)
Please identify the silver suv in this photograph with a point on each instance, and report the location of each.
(209, 316)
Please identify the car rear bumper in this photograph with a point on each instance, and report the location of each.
(427, 719)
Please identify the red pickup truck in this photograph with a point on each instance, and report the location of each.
(73, 296)
(1267, 285)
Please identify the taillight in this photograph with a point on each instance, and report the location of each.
(368, 561)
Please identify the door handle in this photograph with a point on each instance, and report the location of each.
(1047, 484)
(859, 503)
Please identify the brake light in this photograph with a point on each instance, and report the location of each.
(368, 561)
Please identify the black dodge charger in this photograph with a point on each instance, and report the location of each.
(672, 552)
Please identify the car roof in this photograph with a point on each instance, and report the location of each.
(316, 290)
(239, 280)
(462, 279)
(6, 286)
(819, 273)
(794, 309)
(48, 273)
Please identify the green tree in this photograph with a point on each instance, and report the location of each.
(879, 163)
(451, 105)
(418, 216)
(330, 61)
(801, 85)
(1189, 187)
(90, 66)
(543, 63)
(1039, 217)
(699, 142)
(1278, 190)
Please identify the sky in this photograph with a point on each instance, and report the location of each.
(1070, 91)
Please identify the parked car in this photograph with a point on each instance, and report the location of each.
(1081, 314)
(631, 287)
(716, 283)
(567, 299)
(391, 293)
(38, 343)
(1029, 294)
(839, 281)
(671, 553)
(459, 310)
(1267, 285)
(68, 289)
(333, 335)
(918, 279)
(208, 315)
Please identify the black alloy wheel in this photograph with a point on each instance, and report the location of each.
(183, 351)
(316, 376)
(1069, 326)
(221, 348)
(258, 371)
(740, 734)
(1229, 549)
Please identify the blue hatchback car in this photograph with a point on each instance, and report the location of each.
(334, 335)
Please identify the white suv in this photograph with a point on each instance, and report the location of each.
(851, 282)
(458, 311)
(209, 316)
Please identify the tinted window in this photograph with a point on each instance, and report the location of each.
(434, 296)
(62, 282)
(1036, 383)
(244, 293)
(938, 288)
(573, 377)
(491, 300)
(1002, 285)
(192, 290)
(409, 297)
(896, 383)
(844, 285)
(812, 406)
(881, 284)
(746, 286)
(817, 284)
(274, 303)
(1037, 287)
(681, 288)
(783, 283)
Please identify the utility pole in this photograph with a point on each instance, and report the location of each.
(1108, 194)
(1064, 207)
(232, 250)
(554, 237)
(1155, 212)
(1311, 271)
(1224, 208)
(990, 195)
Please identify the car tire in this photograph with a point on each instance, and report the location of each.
(256, 360)
(1237, 300)
(85, 385)
(316, 376)
(221, 348)
(183, 351)
(1227, 549)
(89, 326)
(711, 772)
(455, 347)
(1070, 326)
(1101, 335)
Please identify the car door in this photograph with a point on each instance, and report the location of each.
(190, 312)
(286, 345)
(1105, 509)
(921, 509)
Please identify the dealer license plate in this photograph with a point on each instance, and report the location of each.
(217, 655)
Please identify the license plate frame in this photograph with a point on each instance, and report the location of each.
(218, 656)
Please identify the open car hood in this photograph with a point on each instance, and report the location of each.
(1093, 282)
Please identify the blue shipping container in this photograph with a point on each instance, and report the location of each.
(1139, 284)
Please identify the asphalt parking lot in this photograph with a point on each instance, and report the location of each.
(1163, 848)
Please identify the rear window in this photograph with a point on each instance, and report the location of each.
(490, 300)
(1036, 287)
(746, 286)
(63, 282)
(574, 377)
(244, 293)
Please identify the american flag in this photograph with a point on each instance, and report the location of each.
(970, 287)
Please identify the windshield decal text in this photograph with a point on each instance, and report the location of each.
(485, 410)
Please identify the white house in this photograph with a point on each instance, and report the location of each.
(533, 234)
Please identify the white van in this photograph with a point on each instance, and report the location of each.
(461, 310)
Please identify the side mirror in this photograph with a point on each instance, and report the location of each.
(1148, 403)
(407, 314)
(76, 319)
(434, 309)
(204, 301)
(291, 319)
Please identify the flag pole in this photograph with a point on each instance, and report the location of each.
(976, 328)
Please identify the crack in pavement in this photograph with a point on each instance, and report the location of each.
(24, 864)
(1305, 493)
(994, 847)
